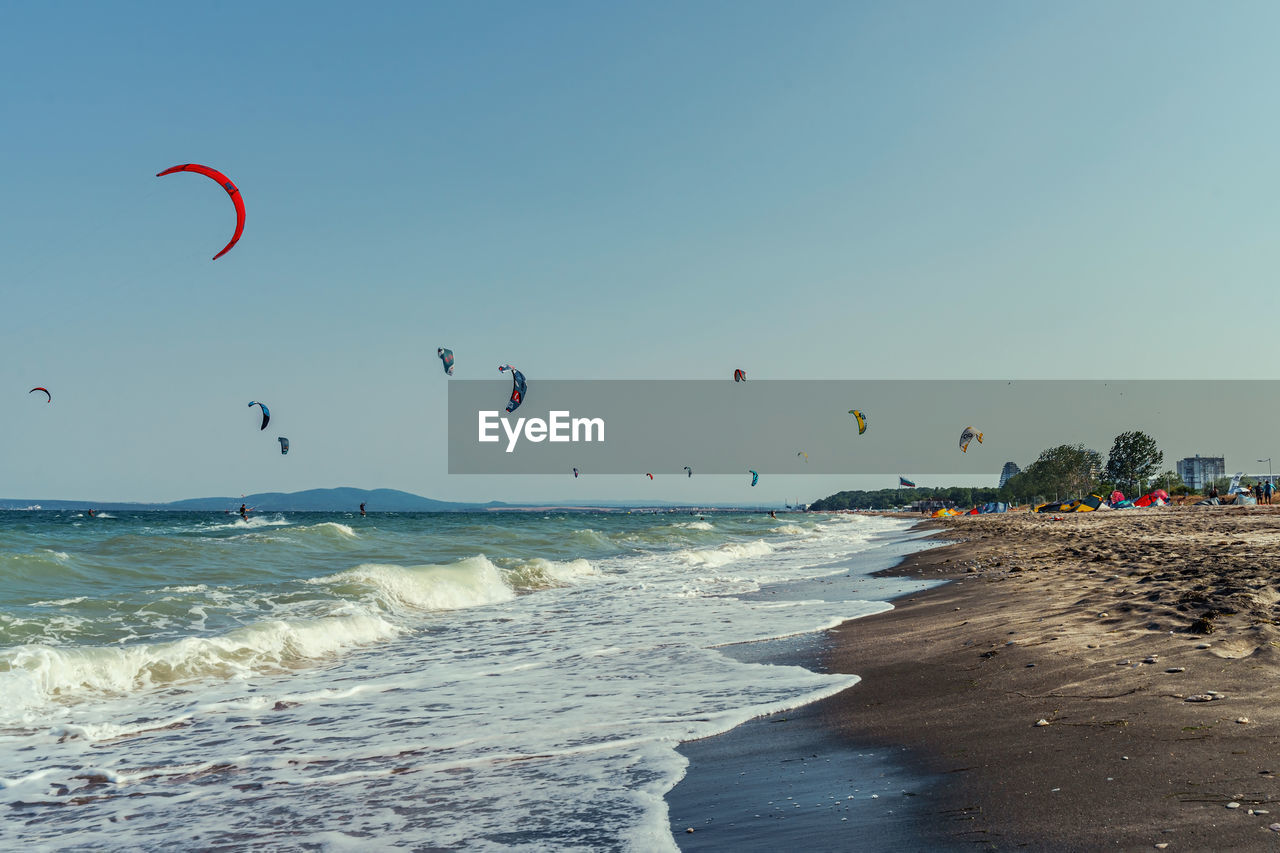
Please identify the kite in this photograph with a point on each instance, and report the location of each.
(266, 415)
(517, 387)
(739, 376)
(446, 358)
(650, 476)
(805, 455)
(46, 393)
(688, 470)
(755, 476)
(284, 445)
(575, 473)
(861, 419)
(967, 436)
(231, 189)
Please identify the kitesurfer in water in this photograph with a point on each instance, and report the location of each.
(244, 513)
(362, 512)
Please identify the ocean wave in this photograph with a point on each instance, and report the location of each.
(789, 529)
(32, 675)
(724, 554)
(252, 523)
(592, 540)
(470, 582)
(541, 574)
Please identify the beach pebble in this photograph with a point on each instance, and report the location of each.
(1202, 645)
(1042, 722)
(1162, 845)
(1242, 720)
(1124, 662)
(1103, 615)
(1176, 669)
(1201, 697)
(690, 829)
(1151, 659)
(1275, 827)
(1233, 805)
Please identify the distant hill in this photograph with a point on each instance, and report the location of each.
(329, 500)
(315, 500)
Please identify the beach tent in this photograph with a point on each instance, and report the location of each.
(1088, 504)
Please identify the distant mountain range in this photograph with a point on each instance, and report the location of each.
(318, 500)
(348, 500)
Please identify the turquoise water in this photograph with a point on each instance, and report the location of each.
(321, 680)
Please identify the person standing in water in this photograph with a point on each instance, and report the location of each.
(362, 512)
(244, 513)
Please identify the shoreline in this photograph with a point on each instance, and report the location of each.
(1144, 642)
(789, 778)
(1056, 622)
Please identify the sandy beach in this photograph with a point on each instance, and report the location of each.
(1106, 681)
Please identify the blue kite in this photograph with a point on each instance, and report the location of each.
(266, 415)
(518, 386)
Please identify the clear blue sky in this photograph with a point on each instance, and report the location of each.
(645, 190)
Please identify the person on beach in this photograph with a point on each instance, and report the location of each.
(1268, 490)
(1213, 490)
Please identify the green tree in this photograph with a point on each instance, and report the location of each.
(1068, 470)
(1134, 459)
(1171, 483)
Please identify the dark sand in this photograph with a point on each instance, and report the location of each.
(1054, 622)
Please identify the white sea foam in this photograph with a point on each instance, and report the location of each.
(539, 573)
(789, 530)
(471, 582)
(722, 555)
(36, 674)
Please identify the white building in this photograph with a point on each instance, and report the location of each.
(1199, 471)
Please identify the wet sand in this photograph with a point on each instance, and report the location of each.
(1107, 681)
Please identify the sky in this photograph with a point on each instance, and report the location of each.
(658, 190)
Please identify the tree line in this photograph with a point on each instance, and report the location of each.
(1058, 473)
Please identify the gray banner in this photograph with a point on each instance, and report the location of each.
(803, 427)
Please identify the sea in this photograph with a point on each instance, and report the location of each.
(416, 681)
